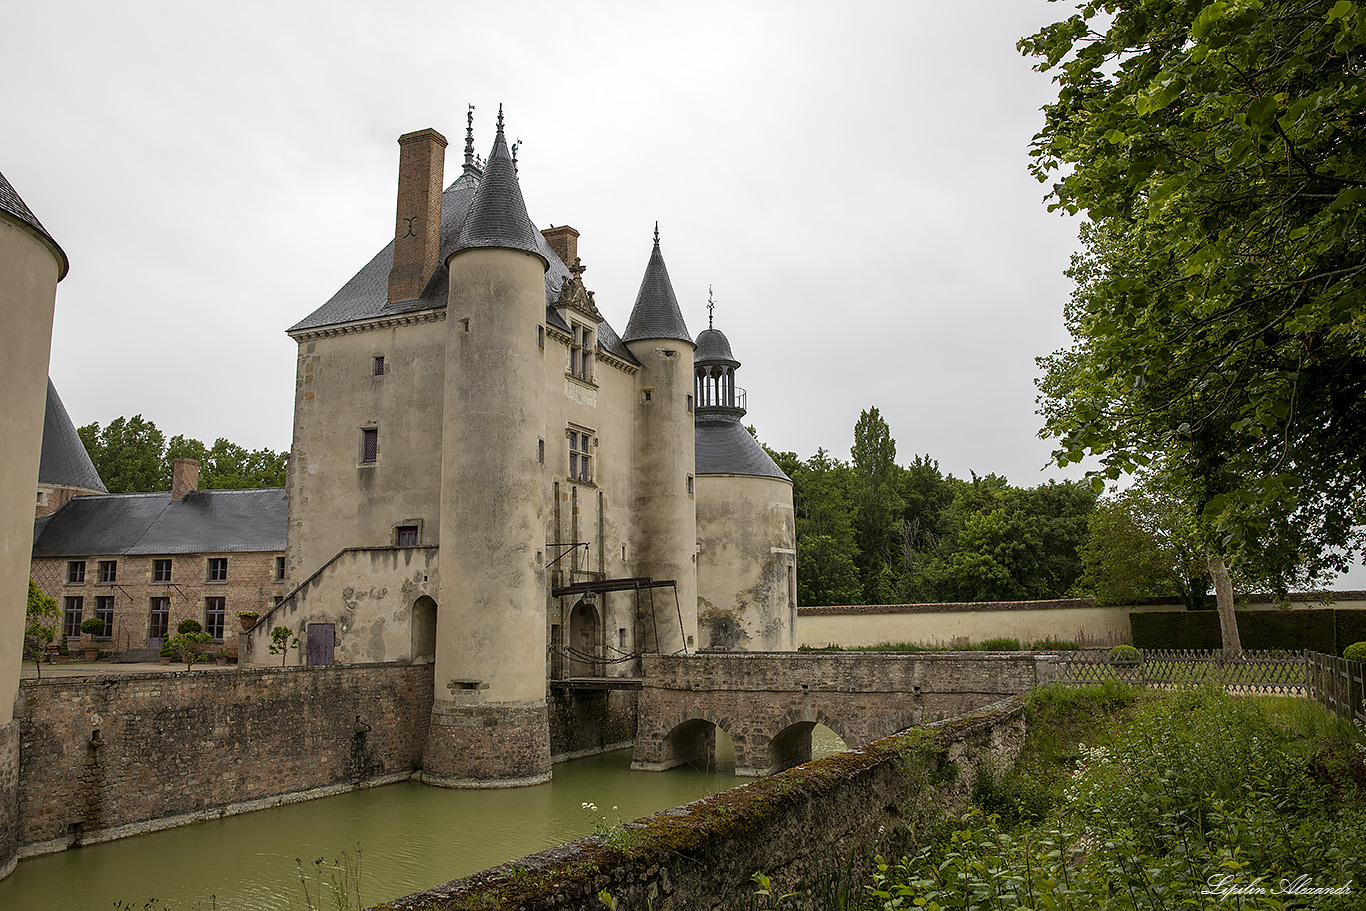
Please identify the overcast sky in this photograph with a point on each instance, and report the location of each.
(851, 180)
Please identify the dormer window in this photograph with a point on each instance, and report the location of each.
(581, 353)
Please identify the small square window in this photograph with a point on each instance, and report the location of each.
(161, 570)
(540, 337)
(690, 403)
(689, 485)
(75, 572)
(218, 569)
(369, 445)
(379, 365)
(279, 569)
(109, 570)
(406, 535)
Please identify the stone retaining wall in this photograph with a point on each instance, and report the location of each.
(105, 757)
(843, 809)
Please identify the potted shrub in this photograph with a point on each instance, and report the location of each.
(247, 618)
(92, 627)
(63, 651)
(166, 654)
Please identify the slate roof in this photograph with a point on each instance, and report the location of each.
(712, 345)
(12, 204)
(724, 446)
(64, 462)
(497, 216)
(144, 524)
(366, 295)
(656, 313)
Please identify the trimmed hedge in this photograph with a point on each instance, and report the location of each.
(1326, 630)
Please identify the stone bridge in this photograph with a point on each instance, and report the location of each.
(769, 702)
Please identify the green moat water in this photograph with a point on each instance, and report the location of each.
(411, 837)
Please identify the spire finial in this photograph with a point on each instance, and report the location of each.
(500, 118)
(656, 235)
(469, 138)
(711, 305)
(515, 146)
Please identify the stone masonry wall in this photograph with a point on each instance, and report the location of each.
(105, 757)
(9, 797)
(700, 856)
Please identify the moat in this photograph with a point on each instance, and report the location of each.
(410, 836)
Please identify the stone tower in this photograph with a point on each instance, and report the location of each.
(489, 722)
(746, 526)
(31, 265)
(665, 511)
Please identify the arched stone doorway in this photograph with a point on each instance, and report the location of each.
(423, 630)
(584, 658)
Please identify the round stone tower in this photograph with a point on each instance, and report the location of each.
(489, 726)
(31, 264)
(665, 512)
(746, 527)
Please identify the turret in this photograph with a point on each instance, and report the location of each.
(489, 724)
(746, 527)
(665, 511)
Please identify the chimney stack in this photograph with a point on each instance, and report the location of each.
(184, 477)
(417, 229)
(564, 240)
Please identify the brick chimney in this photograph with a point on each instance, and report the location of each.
(564, 240)
(417, 229)
(184, 477)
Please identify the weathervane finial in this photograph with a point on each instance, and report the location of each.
(711, 305)
(469, 137)
(500, 118)
(656, 235)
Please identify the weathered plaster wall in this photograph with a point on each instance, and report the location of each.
(768, 702)
(701, 856)
(746, 563)
(945, 624)
(368, 594)
(336, 500)
(174, 748)
(1076, 620)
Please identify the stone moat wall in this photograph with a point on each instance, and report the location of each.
(836, 812)
(105, 757)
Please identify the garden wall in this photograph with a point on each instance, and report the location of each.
(1078, 620)
(106, 757)
(1327, 630)
(813, 818)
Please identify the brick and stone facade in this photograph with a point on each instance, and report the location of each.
(106, 757)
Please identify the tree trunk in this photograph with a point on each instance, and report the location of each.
(1228, 620)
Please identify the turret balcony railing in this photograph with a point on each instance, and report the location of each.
(716, 398)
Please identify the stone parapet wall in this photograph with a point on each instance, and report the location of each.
(849, 806)
(9, 797)
(105, 757)
(765, 701)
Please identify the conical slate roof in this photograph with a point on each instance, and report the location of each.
(497, 216)
(712, 345)
(725, 447)
(64, 462)
(12, 204)
(656, 313)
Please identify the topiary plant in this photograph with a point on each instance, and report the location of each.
(189, 626)
(92, 626)
(1125, 654)
(1355, 652)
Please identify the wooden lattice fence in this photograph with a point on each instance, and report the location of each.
(1338, 685)
(1276, 672)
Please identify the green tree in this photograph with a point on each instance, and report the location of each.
(133, 456)
(40, 624)
(1144, 543)
(1217, 149)
(128, 454)
(879, 505)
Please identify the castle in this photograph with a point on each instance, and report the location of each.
(487, 475)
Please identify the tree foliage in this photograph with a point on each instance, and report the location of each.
(870, 531)
(40, 624)
(133, 456)
(1218, 150)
